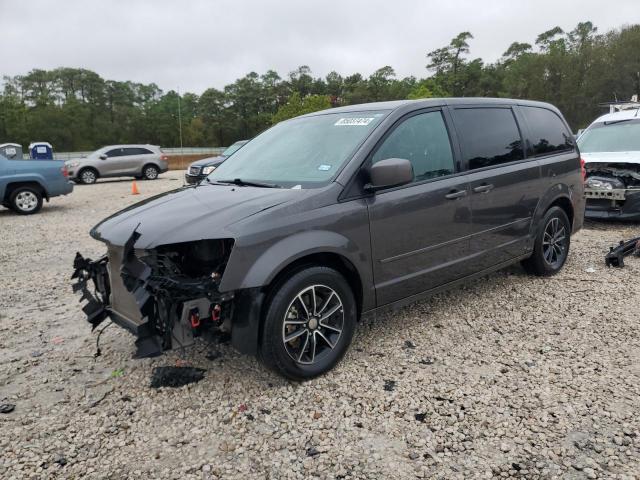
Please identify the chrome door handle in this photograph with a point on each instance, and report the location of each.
(486, 188)
(456, 194)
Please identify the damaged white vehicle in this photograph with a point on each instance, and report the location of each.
(610, 150)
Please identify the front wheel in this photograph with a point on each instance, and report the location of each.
(309, 323)
(551, 246)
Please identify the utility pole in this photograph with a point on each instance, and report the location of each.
(180, 129)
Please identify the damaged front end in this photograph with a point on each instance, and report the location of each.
(612, 191)
(165, 296)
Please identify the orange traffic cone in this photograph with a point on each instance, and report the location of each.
(134, 188)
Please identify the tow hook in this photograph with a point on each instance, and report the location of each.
(195, 318)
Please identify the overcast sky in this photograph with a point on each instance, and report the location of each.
(196, 44)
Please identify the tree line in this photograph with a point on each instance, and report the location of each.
(76, 109)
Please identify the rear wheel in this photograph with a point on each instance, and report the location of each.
(25, 200)
(551, 246)
(88, 176)
(309, 323)
(150, 172)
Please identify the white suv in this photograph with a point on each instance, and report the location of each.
(610, 150)
(139, 161)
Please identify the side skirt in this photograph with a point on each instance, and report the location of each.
(397, 305)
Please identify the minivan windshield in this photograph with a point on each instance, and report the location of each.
(305, 152)
(232, 148)
(620, 136)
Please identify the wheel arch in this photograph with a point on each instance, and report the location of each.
(12, 186)
(333, 260)
(557, 196)
(150, 164)
(88, 167)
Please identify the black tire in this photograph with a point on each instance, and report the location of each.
(550, 250)
(25, 200)
(150, 172)
(295, 358)
(88, 176)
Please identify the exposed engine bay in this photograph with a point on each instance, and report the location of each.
(611, 177)
(612, 190)
(166, 296)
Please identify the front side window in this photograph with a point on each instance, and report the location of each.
(424, 141)
(548, 133)
(304, 152)
(614, 136)
(116, 152)
(488, 136)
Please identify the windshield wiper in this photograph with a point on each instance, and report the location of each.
(243, 183)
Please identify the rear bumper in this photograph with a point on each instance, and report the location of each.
(614, 209)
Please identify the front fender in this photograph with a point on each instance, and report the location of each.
(241, 275)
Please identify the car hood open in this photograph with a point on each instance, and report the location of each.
(191, 213)
(612, 157)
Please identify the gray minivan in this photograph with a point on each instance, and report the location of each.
(338, 214)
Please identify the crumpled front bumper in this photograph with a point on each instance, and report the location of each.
(159, 306)
(625, 207)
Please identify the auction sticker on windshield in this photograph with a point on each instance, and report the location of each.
(355, 121)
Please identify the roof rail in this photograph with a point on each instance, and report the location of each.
(620, 106)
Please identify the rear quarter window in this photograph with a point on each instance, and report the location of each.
(488, 136)
(548, 133)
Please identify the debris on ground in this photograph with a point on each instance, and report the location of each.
(389, 385)
(175, 377)
(408, 344)
(7, 407)
(615, 257)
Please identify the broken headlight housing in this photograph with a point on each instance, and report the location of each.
(605, 183)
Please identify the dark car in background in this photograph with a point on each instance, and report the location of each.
(328, 217)
(199, 169)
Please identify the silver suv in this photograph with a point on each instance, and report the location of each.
(139, 161)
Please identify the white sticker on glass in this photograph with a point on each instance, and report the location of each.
(354, 121)
(324, 168)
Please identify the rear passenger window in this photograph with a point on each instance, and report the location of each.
(488, 136)
(423, 140)
(548, 133)
(135, 151)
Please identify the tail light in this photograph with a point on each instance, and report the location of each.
(583, 170)
(164, 157)
(65, 172)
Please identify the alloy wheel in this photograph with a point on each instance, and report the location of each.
(554, 242)
(151, 173)
(313, 324)
(88, 177)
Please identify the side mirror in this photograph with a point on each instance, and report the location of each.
(102, 157)
(388, 173)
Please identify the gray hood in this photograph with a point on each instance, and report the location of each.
(190, 213)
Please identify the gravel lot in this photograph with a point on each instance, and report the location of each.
(512, 376)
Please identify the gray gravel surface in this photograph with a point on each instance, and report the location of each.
(512, 376)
